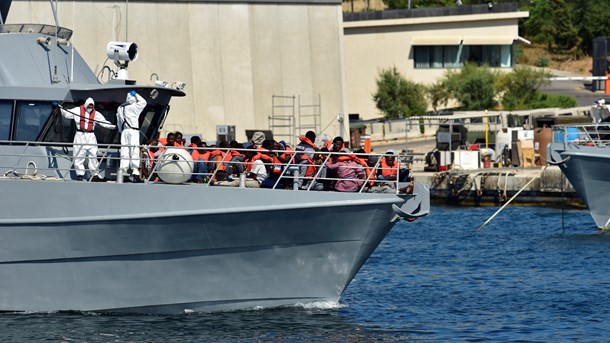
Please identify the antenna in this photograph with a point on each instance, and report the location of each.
(126, 18)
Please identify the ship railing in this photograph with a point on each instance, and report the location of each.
(596, 135)
(45, 29)
(22, 160)
(26, 159)
(288, 169)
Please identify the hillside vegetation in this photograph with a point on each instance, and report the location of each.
(561, 31)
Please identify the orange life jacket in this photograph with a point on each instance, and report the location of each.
(388, 170)
(88, 127)
(277, 165)
(287, 153)
(217, 157)
(311, 169)
(195, 155)
(229, 156)
(306, 140)
(250, 161)
(370, 173)
(205, 156)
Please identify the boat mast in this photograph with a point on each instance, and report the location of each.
(72, 45)
(54, 8)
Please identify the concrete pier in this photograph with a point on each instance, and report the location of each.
(494, 186)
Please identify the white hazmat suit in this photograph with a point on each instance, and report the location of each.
(85, 143)
(128, 115)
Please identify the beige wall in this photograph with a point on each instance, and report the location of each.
(363, 5)
(233, 57)
(371, 46)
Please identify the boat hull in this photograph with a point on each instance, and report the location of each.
(168, 248)
(586, 167)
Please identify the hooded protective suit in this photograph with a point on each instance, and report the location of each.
(128, 115)
(85, 143)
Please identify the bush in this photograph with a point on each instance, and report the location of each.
(520, 87)
(542, 62)
(547, 100)
(398, 97)
(473, 87)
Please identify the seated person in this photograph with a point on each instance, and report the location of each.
(350, 173)
(178, 139)
(255, 168)
(200, 160)
(390, 169)
(274, 167)
(235, 158)
(151, 153)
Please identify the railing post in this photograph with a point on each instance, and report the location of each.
(242, 180)
(295, 180)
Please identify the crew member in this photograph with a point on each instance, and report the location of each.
(85, 143)
(128, 115)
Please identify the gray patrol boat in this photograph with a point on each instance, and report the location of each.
(582, 152)
(154, 247)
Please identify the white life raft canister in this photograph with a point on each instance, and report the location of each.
(175, 166)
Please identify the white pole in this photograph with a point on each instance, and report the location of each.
(511, 199)
(72, 45)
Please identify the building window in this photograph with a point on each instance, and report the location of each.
(453, 56)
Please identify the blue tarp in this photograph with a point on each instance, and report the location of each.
(572, 134)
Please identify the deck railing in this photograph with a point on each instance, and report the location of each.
(36, 160)
(597, 135)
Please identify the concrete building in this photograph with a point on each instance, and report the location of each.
(234, 57)
(422, 44)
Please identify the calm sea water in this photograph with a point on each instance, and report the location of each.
(528, 276)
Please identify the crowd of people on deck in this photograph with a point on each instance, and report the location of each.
(267, 163)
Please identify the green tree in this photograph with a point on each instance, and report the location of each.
(473, 87)
(593, 20)
(402, 4)
(520, 87)
(551, 22)
(438, 94)
(398, 97)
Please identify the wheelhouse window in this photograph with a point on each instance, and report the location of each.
(454, 56)
(150, 121)
(30, 119)
(6, 111)
(63, 130)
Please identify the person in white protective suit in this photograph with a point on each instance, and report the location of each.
(128, 115)
(85, 143)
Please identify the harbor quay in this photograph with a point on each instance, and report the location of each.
(537, 186)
